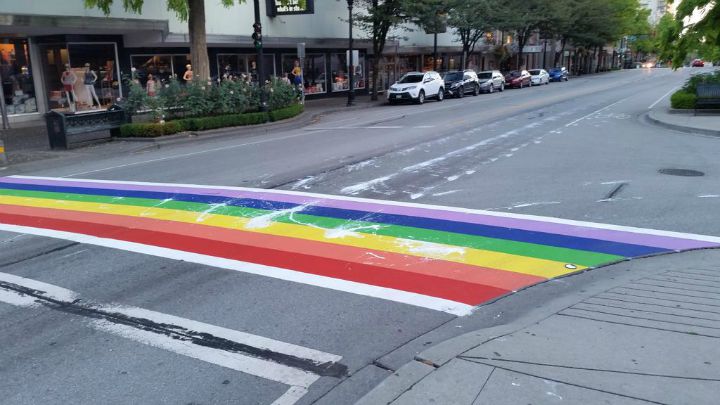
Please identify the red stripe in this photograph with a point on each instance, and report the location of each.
(308, 257)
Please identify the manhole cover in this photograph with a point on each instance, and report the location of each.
(681, 172)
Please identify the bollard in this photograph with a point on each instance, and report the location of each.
(3, 158)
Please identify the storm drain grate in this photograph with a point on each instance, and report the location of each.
(681, 172)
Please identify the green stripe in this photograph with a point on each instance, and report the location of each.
(565, 255)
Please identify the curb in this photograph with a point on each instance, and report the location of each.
(681, 128)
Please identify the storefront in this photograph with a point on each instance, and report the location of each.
(16, 71)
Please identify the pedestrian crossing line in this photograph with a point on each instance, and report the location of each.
(441, 258)
(286, 363)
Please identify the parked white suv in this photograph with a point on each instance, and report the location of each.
(417, 87)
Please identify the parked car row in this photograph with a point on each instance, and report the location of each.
(419, 86)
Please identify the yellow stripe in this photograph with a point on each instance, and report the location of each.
(476, 257)
(2, 149)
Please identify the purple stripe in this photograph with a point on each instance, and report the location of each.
(666, 242)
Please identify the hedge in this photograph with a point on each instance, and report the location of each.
(150, 130)
(682, 99)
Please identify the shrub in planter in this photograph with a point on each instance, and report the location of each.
(682, 99)
(280, 94)
(150, 130)
(222, 121)
(171, 97)
(200, 99)
(232, 97)
(136, 100)
(693, 81)
(285, 113)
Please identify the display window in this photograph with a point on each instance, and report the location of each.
(81, 76)
(339, 71)
(238, 66)
(314, 72)
(16, 76)
(161, 67)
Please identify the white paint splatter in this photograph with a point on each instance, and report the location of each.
(429, 248)
(453, 178)
(605, 183)
(264, 221)
(360, 165)
(415, 196)
(303, 183)
(204, 215)
(532, 204)
(367, 185)
(445, 193)
(709, 196)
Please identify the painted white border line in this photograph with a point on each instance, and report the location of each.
(595, 225)
(437, 304)
(258, 367)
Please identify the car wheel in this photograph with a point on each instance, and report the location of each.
(521, 85)
(441, 94)
(391, 102)
(502, 87)
(421, 97)
(461, 92)
(491, 89)
(476, 90)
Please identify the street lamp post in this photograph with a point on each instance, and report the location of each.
(351, 62)
(257, 39)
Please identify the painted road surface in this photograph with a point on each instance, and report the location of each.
(442, 258)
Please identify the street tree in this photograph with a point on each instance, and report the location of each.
(523, 18)
(471, 19)
(377, 19)
(192, 11)
(696, 30)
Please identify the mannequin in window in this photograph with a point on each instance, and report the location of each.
(188, 76)
(89, 80)
(151, 86)
(68, 80)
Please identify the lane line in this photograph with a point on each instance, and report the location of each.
(424, 301)
(291, 396)
(662, 97)
(179, 335)
(596, 111)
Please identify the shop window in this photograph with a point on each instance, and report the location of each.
(268, 67)
(314, 73)
(17, 76)
(81, 76)
(339, 70)
(232, 65)
(159, 66)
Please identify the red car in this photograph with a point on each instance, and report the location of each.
(698, 63)
(518, 79)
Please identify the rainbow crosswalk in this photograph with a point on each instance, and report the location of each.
(442, 258)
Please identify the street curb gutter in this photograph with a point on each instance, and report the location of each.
(654, 120)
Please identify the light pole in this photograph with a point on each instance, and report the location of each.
(351, 62)
(257, 41)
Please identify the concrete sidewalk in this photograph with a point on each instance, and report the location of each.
(649, 333)
(686, 121)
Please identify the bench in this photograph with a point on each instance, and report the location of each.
(69, 130)
(708, 94)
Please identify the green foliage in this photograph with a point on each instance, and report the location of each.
(280, 94)
(285, 113)
(233, 97)
(179, 7)
(682, 99)
(708, 78)
(693, 36)
(150, 130)
(137, 99)
(199, 99)
(170, 97)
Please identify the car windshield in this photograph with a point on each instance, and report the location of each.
(453, 76)
(411, 79)
(535, 72)
(555, 70)
(487, 75)
(514, 73)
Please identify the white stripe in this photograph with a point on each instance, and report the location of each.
(662, 97)
(291, 396)
(404, 297)
(236, 361)
(595, 112)
(320, 197)
(236, 336)
(47, 290)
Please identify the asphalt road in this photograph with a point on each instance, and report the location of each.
(577, 150)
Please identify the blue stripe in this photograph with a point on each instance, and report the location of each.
(520, 235)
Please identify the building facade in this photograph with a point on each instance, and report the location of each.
(45, 44)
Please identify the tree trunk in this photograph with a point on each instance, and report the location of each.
(198, 40)
(376, 73)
